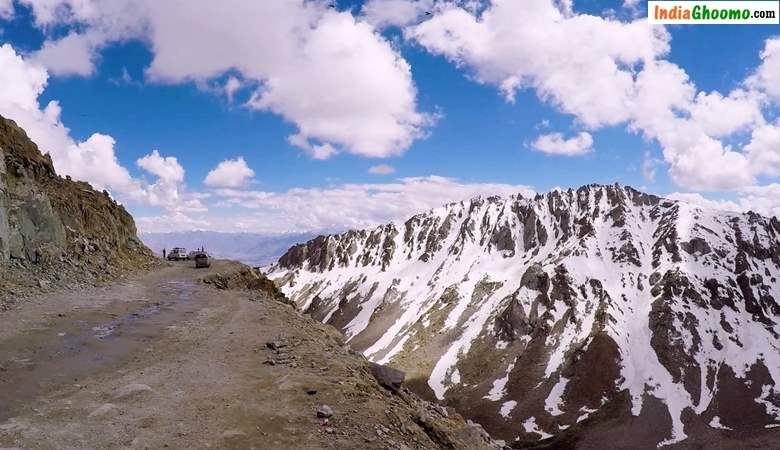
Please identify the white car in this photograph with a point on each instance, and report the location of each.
(178, 254)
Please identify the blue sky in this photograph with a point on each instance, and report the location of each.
(475, 137)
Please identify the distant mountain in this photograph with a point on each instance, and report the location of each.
(249, 248)
(575, 318)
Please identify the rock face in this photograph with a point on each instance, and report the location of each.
(56, 228)
(573, 317)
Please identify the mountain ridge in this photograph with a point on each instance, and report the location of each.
(535, 314)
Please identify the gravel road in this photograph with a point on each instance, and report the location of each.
(162, 360)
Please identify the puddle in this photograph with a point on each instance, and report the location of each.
(77, 347)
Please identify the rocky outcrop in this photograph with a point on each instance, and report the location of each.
(53, 230)
(566, 318)
(248, 278)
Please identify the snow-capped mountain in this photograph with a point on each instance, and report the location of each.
(578, 317)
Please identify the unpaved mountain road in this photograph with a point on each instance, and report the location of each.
(163, 360)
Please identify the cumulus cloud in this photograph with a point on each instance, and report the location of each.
(232, 85)
(398, 13)
(697, 199)
(316, 151)
(764, 200)
(556, 144)
(763, 150)
(71, 55)
(6, 8)
(359, 94)
(615, 75)
(767, 76)
(719, 116)
(93, 160)
(381, 169)
(529, 44)
(166, 168)
(336, 208)
(230, 173)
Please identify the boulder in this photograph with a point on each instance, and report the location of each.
(387, 376)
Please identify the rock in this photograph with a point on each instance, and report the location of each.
(231, 434)
(13, 426)
(273, 345)
(387, 376)
(132, 390)
(48, 222)
(104, 410)
(250, 279)
(324, 411)
(311, 391)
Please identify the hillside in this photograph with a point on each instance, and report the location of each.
(55, 231)
(567, 319)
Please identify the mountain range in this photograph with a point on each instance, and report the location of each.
(566, 319)
(251, 248)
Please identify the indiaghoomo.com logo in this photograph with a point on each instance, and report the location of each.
(713, 12)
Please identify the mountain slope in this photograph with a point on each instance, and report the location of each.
(576, 316)
(55, 230)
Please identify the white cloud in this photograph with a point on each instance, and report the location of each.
(514, 45)
(333, 76)
(699, 200)
(763, 150)
(381, 169)
(93, 160)
(232, 85)
(719, 116)
(230, 173)
(614, 75)
(556, 144)
(767, 75)
(166, 168)
(316, 151)
(71, 55)
(174, 221)
(337, 208)
(648, 167)
(398, 13)
(6, 8)
(763, 200)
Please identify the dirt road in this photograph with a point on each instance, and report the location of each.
(165, 361)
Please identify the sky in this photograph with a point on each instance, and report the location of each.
(289, 116)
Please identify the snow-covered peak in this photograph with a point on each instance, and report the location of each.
(556, 308)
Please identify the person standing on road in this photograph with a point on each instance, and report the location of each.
(163, 253)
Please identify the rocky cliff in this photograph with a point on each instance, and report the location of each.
(56, 231)
(568, 319)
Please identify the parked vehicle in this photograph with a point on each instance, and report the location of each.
(202, 259)
(178, 254)
(191, 255)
